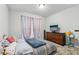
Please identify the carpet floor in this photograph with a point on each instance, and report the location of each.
(65, 50)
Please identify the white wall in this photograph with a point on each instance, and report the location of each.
(3, 20)
(68, 20)
(15, 22)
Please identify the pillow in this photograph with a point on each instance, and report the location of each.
(15, 39)
(10, 39)
(5, 43)
(0, 39)
(1, 50)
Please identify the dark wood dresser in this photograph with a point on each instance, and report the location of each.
(58, 38)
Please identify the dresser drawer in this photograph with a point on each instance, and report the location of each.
(56, 37)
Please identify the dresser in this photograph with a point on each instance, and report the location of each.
(58, 38)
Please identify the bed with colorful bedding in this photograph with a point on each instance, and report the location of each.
(24, 48)
(21, 47)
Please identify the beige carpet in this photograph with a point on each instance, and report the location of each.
(65, 50)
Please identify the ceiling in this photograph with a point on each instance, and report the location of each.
(45, 12)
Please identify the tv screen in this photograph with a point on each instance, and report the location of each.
(54, 28)
(53, 25)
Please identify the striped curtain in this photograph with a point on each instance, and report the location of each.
(26, 26)
(31, 27)
(37, 28)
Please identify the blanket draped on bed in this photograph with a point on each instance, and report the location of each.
(35, 43)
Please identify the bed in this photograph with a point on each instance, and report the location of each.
(23, 48)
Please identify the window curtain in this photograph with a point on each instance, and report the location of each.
(26, 26)
(36, 24)
(32, 27)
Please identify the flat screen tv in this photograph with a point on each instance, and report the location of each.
(54, 28)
